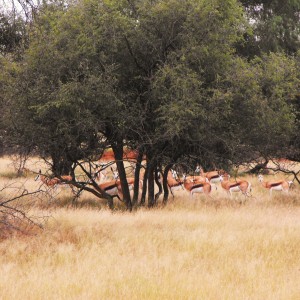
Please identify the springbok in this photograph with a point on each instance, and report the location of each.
(53, 182)
(280, 185)
(174, 183)
(100, 174)
(196, 178)
(128, 155)
(130, 180)
(192, 187)
(213, 176)
(242, 186)
(113, 188)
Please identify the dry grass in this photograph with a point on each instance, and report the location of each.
(192, 249)
(232, 253)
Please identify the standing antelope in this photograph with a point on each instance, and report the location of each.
(113, 188)
(53, 182)
(174, 183)
(280, 185)
(196, 179)
(213, 176)
(100, 175)
(130, 180)
(192, 187)
(242, 186)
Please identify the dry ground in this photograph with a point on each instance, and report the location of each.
(192, 249)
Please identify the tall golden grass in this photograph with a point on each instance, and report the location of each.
(195, 248)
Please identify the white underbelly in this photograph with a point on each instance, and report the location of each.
(176, 188)
(113, 191)
(277, 188)
(197, 190)
(235, 189)
(215, 180)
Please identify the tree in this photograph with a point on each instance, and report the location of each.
(159, 76)
(275, 25)
(13, 41)
(13, 37)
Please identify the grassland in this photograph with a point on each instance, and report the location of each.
(192, 249)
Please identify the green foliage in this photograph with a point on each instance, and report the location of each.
(258, 94)
(276, 25)
(13, 37)
(164, 75)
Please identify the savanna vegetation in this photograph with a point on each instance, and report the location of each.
(182, 82)
(189, 83)
(192, 248)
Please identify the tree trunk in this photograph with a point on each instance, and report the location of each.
(159, 186)
(151, 201)
(110, 201)
(145, 184)
(165, 183)
(118, 152)
(136, 187)
(61, 165)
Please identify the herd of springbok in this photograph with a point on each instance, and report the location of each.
(204, 183)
